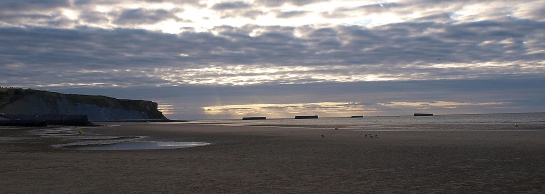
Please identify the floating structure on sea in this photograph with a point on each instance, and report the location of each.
(356, 117)
(254, 118)
(307, 117)
(422, 114)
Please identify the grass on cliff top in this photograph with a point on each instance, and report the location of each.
(6, 95)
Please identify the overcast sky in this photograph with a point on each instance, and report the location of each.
(229, 59)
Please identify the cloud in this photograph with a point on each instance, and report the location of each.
(231, 5)
(253, 14)
(95, 17)
(341, 109)
(278, 3)
(26, 5)
(406, 51)
(270, 3)
(288, 110)
(169, 43)
(289, 14)
(441, 104)
(142, 16)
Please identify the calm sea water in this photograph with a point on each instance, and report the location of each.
(504, 121)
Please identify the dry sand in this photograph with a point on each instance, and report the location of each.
(282, 160)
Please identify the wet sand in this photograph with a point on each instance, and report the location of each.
(283, 160)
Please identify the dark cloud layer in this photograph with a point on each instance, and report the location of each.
(386, 49)
(25, 5)
(277, 3)
(289, 14)
(231, 5)
(142, 16)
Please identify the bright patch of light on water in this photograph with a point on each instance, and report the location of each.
(151, 145)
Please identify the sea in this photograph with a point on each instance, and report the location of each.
(498, 121)
(371, 124)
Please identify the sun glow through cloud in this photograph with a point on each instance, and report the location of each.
(289, 110)
(333, 109)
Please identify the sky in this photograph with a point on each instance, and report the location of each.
(230, 59)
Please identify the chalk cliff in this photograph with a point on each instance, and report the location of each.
(97, 108)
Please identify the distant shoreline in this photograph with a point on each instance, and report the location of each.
(370, 116)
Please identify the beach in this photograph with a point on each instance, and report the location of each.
(246, 159)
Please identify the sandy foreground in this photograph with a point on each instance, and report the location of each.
(282, 160)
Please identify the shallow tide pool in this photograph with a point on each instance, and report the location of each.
(144, 145)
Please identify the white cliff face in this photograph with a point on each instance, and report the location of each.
(38, 104)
